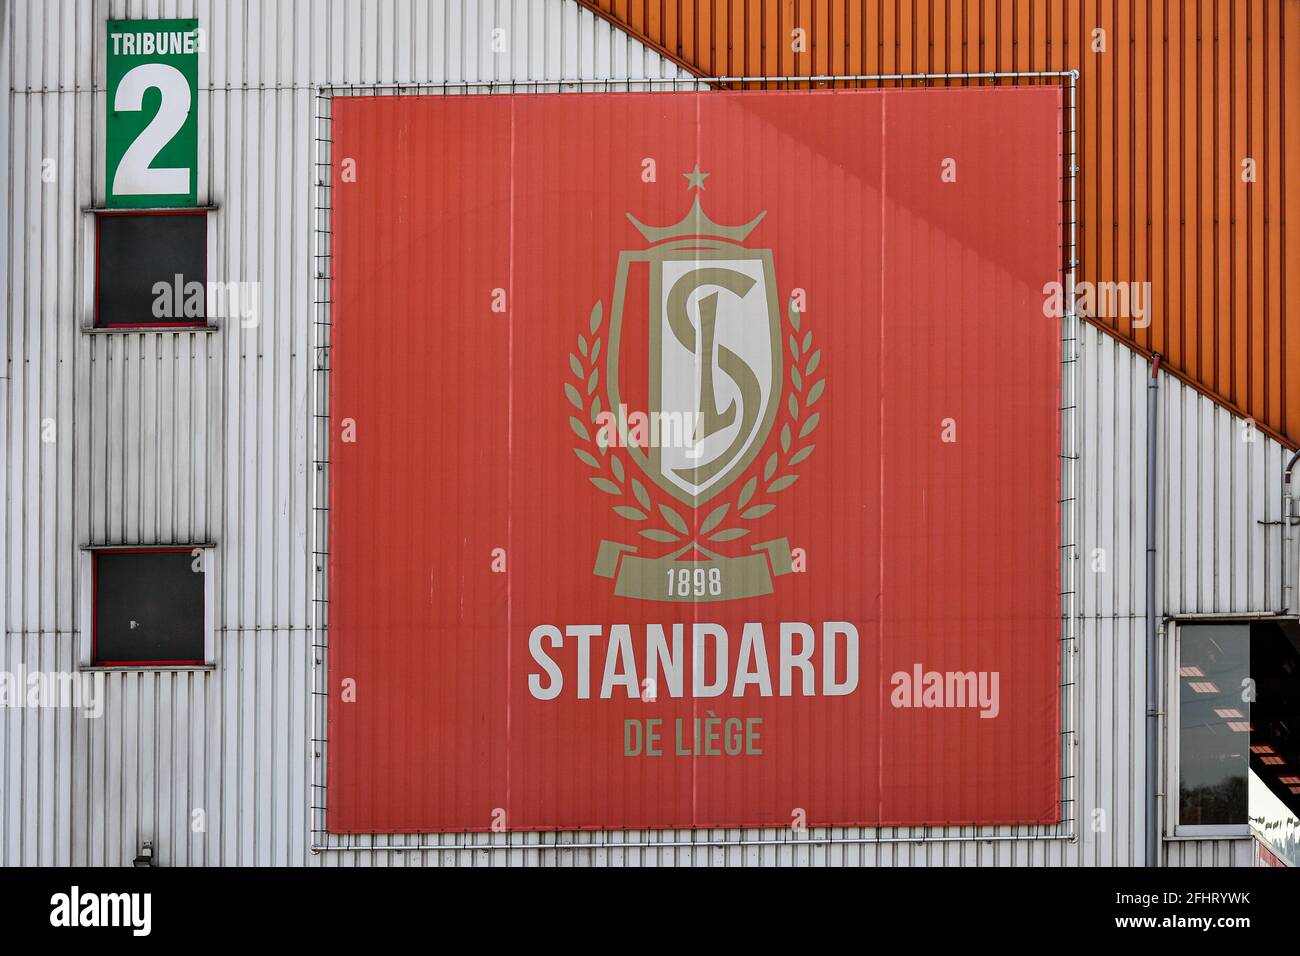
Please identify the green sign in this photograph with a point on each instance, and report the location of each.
(152, 124)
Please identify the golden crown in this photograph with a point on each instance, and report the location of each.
(696, 223)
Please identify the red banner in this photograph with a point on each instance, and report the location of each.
(694, 460)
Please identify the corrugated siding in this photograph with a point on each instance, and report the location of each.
(180, 437)
(1209, 853)
(1182, 93)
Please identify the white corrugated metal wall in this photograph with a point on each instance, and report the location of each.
(182, 437)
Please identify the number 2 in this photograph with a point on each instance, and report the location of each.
(134, 177)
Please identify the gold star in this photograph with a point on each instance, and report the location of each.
(695, 178)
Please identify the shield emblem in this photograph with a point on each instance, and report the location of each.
(706, 356)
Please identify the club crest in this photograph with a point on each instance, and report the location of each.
(695, 367)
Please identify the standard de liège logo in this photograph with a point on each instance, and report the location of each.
(710, 403)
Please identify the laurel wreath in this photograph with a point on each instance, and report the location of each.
(612, 476)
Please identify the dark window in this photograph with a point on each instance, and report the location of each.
(1239, 722)
(151, 270)
(148, 607)
(1214, 724)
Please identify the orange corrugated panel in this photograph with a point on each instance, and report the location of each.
(791, 63)
(1154, 254)
(1175, 204)
(1272, 347)
(1264, 128)
(906, 60)
(1182, 95)
(1233, 306)
(1217, 323)
(839, 48)
(751, 53)
(1288, 357)
(1122, 194)
(1138, 245)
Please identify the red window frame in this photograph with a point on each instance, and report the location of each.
(94, 607)
(181, 326)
